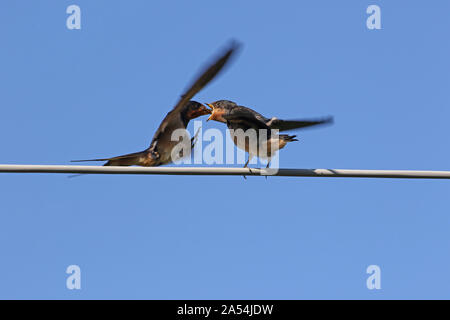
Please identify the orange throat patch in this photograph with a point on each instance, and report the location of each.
(217, 115)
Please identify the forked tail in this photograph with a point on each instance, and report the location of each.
(138, 158)
(288, 138)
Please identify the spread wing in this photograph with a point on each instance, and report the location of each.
(284, 125)
(244, 118)
(197, 85)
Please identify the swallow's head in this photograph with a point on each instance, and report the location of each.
(195, 109)
(219, 109)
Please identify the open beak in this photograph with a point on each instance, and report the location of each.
(211, 111)
(205, 110)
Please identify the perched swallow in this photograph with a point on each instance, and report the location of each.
(160, 150)
(240, 117)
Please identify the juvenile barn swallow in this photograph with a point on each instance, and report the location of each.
(240, 117)
(160, 150)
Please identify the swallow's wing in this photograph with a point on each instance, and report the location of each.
(284, 125)
(245, 118)
(198, 85)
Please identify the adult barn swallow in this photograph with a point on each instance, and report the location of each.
(240, 117)
(160, 150)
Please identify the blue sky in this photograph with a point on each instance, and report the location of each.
(103, 90)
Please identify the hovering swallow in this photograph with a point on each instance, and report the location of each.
(239, 117)
(160, 150)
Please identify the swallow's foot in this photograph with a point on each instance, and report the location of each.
(249, 169)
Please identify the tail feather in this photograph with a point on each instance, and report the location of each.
(136, 158)
(106, 159)
(288, 138)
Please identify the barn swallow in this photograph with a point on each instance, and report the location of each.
(240, 117)
(160, 150)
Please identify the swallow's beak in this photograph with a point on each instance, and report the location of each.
(211, 111)
(203, 110)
